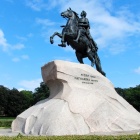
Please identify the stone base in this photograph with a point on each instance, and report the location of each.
(82, 101)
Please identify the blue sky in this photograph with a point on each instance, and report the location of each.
(26, 26)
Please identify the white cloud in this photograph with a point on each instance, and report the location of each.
(34, 4)
(137, 70)
(15, 59)
(3, 41)
(30, 84)
(18, 46)
(6, 47)
(21, 38)
(44, 22)
(25, 57)
(39, 5)
(117, 48)
(30, 35)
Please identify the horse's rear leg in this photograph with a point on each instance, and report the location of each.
(98, 65)
(79, 57)
(90, 57)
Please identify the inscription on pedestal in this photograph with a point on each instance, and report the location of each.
(86, 78)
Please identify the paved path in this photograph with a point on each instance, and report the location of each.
(7, 132)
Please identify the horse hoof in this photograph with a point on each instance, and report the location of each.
(62, 45)
(51, 40)
(104, 74)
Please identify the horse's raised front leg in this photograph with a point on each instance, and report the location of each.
(51, 37)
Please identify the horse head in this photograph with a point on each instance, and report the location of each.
(69, 14)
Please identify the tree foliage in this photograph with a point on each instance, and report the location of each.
(41, 92)
(131, 95)
(3, 99)
(28, 95)
(13, 102)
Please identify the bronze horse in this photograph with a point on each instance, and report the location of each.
(83, 46)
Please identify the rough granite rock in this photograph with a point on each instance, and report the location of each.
(82, 101)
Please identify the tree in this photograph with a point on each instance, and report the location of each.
(15, 103)
(28, 97)
(131, 95)
(41, 92)
(3, 99)
(120, 91)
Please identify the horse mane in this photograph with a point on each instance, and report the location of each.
(75, 14)
(77, 17)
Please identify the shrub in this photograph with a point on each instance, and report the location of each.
(5, 123)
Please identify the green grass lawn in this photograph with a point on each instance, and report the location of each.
(5, 122)
(7, 118)
(84, 137)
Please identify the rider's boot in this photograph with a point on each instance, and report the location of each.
(76, 40)
(94, 45)
(79, 33)
(92, 48)
(63, 44)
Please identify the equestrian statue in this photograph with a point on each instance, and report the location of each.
(76, 34)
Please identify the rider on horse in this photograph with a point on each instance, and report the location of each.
(84, 27)
(83, 44)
